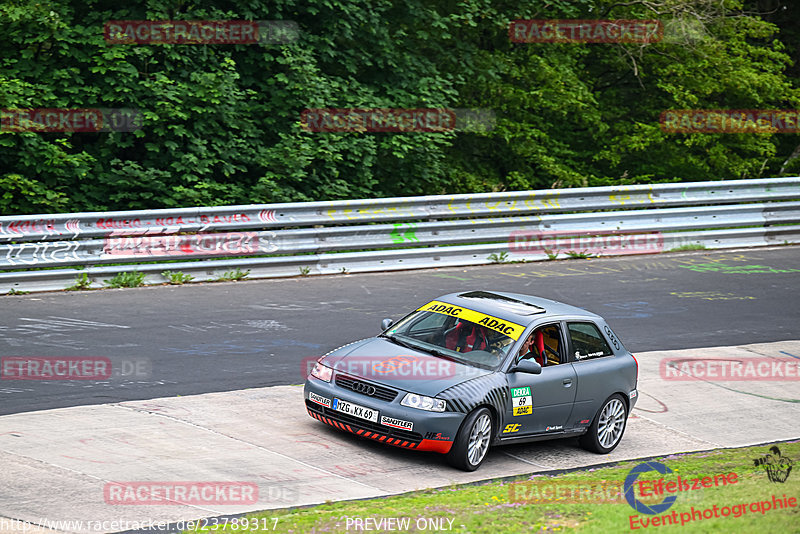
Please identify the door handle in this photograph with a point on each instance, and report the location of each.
(567, 382)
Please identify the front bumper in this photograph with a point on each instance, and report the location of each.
(431, 431)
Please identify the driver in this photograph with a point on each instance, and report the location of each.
(533, 347)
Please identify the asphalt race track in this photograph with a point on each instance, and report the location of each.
(200, 388)
(58, 464)
(183, 340)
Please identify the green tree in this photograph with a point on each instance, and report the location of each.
(221, 123)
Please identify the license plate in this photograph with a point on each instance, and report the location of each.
(355, 410)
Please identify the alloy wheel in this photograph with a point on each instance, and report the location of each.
(479, 439)
(612, 421)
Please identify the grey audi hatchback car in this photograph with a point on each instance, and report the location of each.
(474, 369)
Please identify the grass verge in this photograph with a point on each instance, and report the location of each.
(586, 501)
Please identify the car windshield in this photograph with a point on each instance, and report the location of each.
(464, 340)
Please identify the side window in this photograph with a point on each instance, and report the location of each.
(587, 341)
(547, 340)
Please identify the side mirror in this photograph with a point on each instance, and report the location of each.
(386, 323)
(527, 366)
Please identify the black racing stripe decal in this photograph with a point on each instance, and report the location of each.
(490, 389)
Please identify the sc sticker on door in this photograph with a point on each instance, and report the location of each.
(522, 401)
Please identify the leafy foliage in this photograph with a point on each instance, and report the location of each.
(234, 275)
(177, 278)
(82, 282)
(501, 257)
(221, 122)
(126, 279)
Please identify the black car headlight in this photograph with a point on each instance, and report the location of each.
(322, 372)
(421, 402)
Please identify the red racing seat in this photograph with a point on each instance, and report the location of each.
(538, 343)
(465, 338)
(452, 336)
(476, 340)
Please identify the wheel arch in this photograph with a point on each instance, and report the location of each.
(495, 419)
(625, 400)
(492, 413)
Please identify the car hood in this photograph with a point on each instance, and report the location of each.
(383, 362)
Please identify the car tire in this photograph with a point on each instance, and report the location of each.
(472, 442)
(606, 430)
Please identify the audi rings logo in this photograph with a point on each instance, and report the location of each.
(365, 389)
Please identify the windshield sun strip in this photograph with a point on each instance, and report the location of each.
(512, 330)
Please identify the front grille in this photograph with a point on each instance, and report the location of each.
(344, 418)
(381, 392)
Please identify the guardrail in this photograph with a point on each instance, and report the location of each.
(273, 240)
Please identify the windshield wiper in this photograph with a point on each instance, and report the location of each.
(399, 342)
(441, 354)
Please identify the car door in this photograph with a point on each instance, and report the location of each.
(595, 366)
(542, 403)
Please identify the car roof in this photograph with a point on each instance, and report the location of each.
(514, 307)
